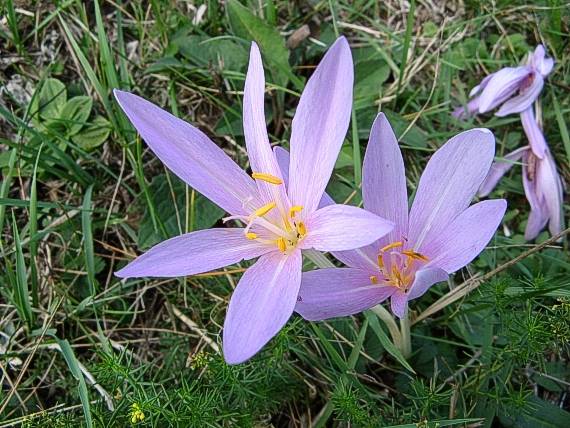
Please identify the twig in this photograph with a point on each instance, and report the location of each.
(194, 327)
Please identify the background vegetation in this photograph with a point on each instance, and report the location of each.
(81, 195)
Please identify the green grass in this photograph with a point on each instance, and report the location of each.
(81, 195)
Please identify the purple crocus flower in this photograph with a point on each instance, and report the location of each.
(279, 221)
(541, 182)
(440, 235)
(514, 89)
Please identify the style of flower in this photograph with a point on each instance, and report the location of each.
(279, 220)
(440, 235)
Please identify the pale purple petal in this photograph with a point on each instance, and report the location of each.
(533, 132)
(424, 279)
(538, 216)
(261, 304)
(399, 304)
(338, 292)
(343, 227)
(193, 253)
(384, 180)
(481, 85)
(550, 187)
(466, 236)
(502, 86)
(498, 169)
(525, 98)
(261, 156)
(190, 154)
(469, 110)
(448, 184)
(319, 126)
(539, 61)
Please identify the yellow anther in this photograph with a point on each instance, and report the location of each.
(380, 261)
(301, 228)
(294, 210)
(266, 177)
(373, 279)
(281, 244)
(415, 256)
(251, 235)
(392, 245)
(260, 212)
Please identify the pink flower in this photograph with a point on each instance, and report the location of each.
(440, 234)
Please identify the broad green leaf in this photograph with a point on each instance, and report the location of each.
(223, 54)
(75, 113)
(93, 135)
(53, 96)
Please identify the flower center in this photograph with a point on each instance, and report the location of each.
(397, 266)
(282, 230)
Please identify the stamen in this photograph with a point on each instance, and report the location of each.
(301, 228)
(294, 210)
(266, 177)
(281, 244)
(415, 256)
(251, 235)
(392, 245)
(260, 212)
(380, 261)
(373, 279)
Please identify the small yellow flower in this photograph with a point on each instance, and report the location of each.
(136, 413)
(199, 360)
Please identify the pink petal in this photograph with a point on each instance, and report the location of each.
(319, 126)
(502, 86)
(538, 216)
(424, 279)
(330, 293)
(550, 186)
(343, 227)
(466, 236)
(533, 132)
(193, 253)
(448, 184)
(498, 169)
(399, 304)
(384, 180)
(191, 155)
(261, 304)
(261, 156)
(525, 98)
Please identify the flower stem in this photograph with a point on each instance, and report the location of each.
(406, 337)
(318, 258)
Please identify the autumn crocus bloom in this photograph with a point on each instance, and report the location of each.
(440, 235)
(514, 89)
(279, 220)
(541, 182)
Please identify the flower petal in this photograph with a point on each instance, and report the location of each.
(540, 62)
(261, 304)
(384, 180)
(319, 126)
(466, 236)
(550, 187)
(502, 86)
(193, 253)
(498, 169)
(261, 156)
(343, 227)
(190, 154)
(538, 216)
(524, 99)
(338, 292)
(448, 183)
(399, 304)
(533, 132)
(424, 279)
(469, 110)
